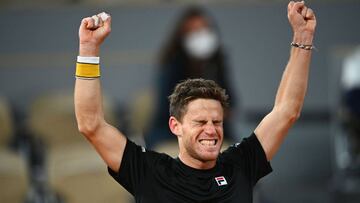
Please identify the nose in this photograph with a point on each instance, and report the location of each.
(210, 129)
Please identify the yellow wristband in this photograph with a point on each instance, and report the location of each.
(87, 70)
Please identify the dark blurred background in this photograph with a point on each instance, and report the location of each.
(38, 49)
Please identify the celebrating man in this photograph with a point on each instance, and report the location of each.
(200, 173)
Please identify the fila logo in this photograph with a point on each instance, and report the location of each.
(220, 180)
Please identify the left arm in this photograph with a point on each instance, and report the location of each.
(292, 89)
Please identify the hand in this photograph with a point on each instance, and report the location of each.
(302, 20)
(92, 34)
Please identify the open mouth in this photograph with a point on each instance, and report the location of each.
(208, 142)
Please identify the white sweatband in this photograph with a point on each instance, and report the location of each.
(88, 59)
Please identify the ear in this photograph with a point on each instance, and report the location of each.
(175, 126)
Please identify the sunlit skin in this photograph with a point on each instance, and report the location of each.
(200, 133)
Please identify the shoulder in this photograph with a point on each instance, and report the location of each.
(142, 152)
(139, 160)
(247, 142)
(248, 148)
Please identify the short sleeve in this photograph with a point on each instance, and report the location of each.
(134, 167)
(250, 157)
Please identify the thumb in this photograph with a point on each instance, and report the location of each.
(86, 23)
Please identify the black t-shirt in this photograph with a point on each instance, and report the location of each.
(156, 177)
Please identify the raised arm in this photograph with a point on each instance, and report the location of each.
(292, 89)
(106, 139)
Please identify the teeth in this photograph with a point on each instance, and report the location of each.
(208, 142)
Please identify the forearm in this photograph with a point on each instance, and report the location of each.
(289, 100)
(107, 140)
(293, 85)
(88, 105)
(288, 103)
(88, 97)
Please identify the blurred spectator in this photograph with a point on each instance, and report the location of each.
(193, 50)
(351, 104)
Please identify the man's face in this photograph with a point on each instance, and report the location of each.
(201, 131)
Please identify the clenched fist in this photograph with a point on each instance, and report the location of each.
(92, 32)
(302, 20)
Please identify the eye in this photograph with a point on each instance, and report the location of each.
(218, 122)
(200, 122)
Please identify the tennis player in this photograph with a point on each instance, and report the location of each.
(200, 173)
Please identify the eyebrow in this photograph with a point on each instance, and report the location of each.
(217, 121)
(199, 121)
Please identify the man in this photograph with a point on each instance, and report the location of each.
(200, 173)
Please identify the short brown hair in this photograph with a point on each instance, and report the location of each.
(192, 89)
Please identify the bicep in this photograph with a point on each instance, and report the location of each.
(272, 130)
(110, 143)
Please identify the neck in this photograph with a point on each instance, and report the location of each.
(195, 163)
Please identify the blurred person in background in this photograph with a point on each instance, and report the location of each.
(346, 179)
(200, 173)
(351, 106)
(193, 50)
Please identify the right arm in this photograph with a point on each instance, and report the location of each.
(107, 140)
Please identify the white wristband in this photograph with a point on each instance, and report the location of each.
(88, 59)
